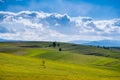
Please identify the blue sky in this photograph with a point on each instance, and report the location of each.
(97, 9)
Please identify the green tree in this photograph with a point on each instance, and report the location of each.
(43, 64)
(60, 49)
(54, 44)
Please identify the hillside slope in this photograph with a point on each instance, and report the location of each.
(12, 47)
(23, 61)
(22, 68)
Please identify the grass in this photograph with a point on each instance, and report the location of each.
(25, 63)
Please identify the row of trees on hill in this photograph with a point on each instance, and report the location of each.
(55, 44)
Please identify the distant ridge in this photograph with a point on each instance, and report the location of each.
(79, 41)
(107, 43)
(3, 40)
(6, 40)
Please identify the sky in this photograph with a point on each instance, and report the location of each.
(70, 19)
(98, 9)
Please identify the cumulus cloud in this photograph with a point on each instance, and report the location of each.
(33, 25)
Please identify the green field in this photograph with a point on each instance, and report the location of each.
(23, 61)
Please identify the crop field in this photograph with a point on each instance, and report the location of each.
(41, 61)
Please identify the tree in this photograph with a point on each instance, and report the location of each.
(54, 44)
(43, 64)
(60, 49)
(58, 45)
(50, 45)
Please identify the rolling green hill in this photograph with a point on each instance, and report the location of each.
(23, 61)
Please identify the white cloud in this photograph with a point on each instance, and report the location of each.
(33, 25)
